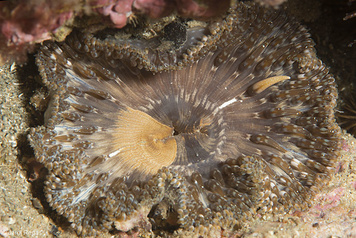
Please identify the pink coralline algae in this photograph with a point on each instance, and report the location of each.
(26, 23)
(118, 10)
(22, 27)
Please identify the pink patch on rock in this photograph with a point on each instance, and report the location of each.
(24, 23)
(330, 200)
(117, 10)
(31, 24)
(345, 146)
(353, 184)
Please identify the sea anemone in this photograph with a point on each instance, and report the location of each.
(188, 136)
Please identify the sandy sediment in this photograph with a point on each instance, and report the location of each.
(18, 216)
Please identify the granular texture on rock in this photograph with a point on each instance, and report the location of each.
(189, 136)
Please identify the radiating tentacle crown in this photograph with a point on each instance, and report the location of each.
(237, 119)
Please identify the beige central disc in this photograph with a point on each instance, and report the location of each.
(145, 144)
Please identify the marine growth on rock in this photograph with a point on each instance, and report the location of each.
(190, 133)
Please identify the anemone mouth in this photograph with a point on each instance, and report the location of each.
(242, 121)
